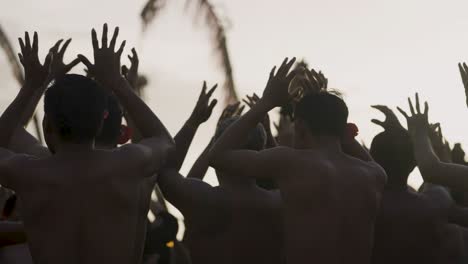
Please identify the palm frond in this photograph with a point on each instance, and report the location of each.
(150, 10)
(217, 26)
(11, 56)
(5, 44)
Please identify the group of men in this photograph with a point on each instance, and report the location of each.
(85, 197)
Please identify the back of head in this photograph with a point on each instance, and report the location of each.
(323, 113)
(256, 139)
(110, 132)
(74, 106)
(393, 150)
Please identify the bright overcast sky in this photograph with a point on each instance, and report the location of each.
(375, 51)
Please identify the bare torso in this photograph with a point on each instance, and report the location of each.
(247, 230)
(79, 208)
(330, 205)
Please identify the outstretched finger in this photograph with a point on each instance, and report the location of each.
(104, 36)
(28, 41)
(418, 107)
(282, 66)
(465, 67)
(56, 46)
(64, 47)
(22, 46)
(411, 106)
(290, 64)
(114, 38)
(135, 56)
(212, 105)
(21, 58)
(272, 72)
(212, 90)
(94, 39)
(426, 108)
(462, 73)
(35, 44)
(122, 46)
(403, 112)
(240, 110)
(247, 102)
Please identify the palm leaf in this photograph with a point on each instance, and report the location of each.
(5, 44)
(150, 10)
(217, 27)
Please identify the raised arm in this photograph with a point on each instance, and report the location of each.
(201, 113)
(223, 155)
(106, 70)
(432, 169)
(36, 78)
(22, 141)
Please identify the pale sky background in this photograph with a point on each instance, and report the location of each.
(374, 51)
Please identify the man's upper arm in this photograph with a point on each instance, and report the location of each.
(11, 167)
(268, 163)
(190, 196)
(451, 175)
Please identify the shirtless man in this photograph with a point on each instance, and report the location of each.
(410, 226)
(61, 227)
(330, 198)
(235, 222)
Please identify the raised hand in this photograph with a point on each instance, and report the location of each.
(391, 121)
(132, 74)
(250, 101)
(106, 67)
(35, 73)
(204, 107)
(57, 67)
(417, 122)
(318, 80)
(439, 144)
(276, 91)
(230, 111)
(464, 75)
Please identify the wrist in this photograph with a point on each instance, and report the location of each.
(192, 123)
(264, 105)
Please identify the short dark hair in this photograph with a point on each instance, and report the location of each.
(393, 150)
(110, 131)
(256, 139)
(324, 113)
(75, 105)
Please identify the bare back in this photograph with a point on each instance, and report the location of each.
(79, 208)
(247, 228)
(331, 202)
(407, 229)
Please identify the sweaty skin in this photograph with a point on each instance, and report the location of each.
(226, 224)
